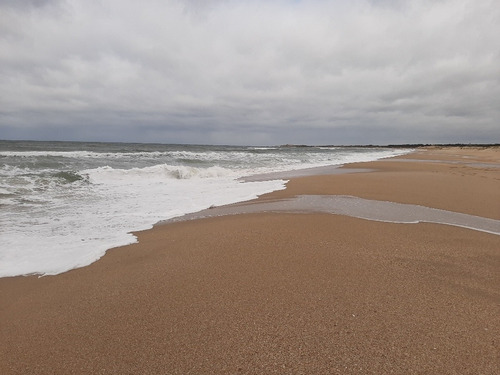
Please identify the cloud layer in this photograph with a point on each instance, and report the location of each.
(251, 72)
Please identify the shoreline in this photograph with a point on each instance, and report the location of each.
(139, 187)
(267, 292)
(348, 205)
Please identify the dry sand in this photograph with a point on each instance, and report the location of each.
(283, 293)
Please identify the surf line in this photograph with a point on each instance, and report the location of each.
(355, 207)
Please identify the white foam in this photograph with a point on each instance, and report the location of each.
(100, 214)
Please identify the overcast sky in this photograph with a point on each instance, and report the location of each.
(251, 72)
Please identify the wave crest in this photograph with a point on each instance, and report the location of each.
(158, 172)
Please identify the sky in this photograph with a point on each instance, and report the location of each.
(251, 72)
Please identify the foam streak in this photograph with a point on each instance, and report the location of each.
(357, 207)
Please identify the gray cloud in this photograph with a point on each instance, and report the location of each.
(262, 72)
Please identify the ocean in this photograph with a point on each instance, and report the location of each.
(63, 204)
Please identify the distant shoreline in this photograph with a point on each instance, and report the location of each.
(406, 145)
(290, 145)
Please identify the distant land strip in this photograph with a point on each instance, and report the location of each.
(406, 145)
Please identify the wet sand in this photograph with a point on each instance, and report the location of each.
(287, 293)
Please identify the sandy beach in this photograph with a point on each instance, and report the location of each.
(285, 293)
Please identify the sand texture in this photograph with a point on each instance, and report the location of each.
(285, 293)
